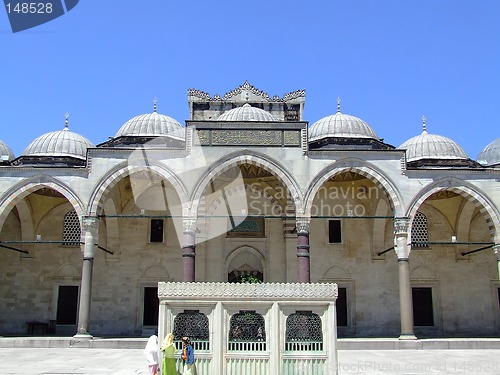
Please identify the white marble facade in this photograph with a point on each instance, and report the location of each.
(246, 188)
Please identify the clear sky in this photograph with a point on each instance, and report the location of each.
(390, 61)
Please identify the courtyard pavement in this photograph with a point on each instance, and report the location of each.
(99, 361)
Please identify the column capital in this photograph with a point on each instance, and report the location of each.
(302, 225)
(189, 225)
(90, 224)
(401, 225)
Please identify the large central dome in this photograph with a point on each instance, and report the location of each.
(246, 113)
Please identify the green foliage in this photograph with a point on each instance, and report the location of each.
(248, 279)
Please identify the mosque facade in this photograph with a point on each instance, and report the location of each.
(247, 191)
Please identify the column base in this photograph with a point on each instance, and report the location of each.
(84, 336)
(407, 336)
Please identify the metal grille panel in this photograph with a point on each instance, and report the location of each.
(71, 229)
(247, 331)
(193, 324)
(420, 231)
(303, 332)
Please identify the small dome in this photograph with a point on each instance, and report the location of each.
(151, 125)
(59, 143)
(246, 113)
(491, 154)
(6, 153)
(432, 146)
(341, 125)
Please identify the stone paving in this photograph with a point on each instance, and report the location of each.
(60, 361)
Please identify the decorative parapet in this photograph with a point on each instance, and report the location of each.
(247, 87)
(235, 291)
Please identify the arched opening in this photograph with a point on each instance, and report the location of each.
(459, 248)
(246, 204)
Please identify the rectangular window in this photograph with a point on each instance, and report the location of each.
(151, 306)
(156, 234)
(334, 231)
(67, 305)
(423, 313)
(342, 307)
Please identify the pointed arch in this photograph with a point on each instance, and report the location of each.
(368, 170)
(469, 192)
(250, 157)
(108, 181)
(241, 251)
(22, 189)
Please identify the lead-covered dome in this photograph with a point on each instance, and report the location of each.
(341, 125)
(6, 153)
(246, 113)
(152, 125)
(490, 154)
(61, 143)
(432, 146)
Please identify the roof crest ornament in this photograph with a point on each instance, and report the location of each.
(338, 104)
(424, 124)
(248, 88)
(66, 122)
(154, 104)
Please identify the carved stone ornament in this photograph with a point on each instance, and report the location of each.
(247, 87)
(401, 225)
(90, 224)
(189, 225)
(302, 226)
(235, 291)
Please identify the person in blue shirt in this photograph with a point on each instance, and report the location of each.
(187, 356)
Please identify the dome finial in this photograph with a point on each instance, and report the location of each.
(338, 104)
(424, 124)
(66, 127)
(154, 104)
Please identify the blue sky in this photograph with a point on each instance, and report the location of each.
(391, 62)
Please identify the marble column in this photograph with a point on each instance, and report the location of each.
(303, 259)
(89, 234)
(189, 250)
(402, 248)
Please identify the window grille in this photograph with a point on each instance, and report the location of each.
(303, 332)
(71, 229)
(419, 231)
(247, 332)
(193, 324)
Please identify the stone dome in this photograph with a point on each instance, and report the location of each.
(490, 154)
(432, 146)
(59, 143)
(6, 153)
(246, 113)
(152, 125)
(341, 125)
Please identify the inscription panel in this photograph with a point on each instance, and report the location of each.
(247, 137)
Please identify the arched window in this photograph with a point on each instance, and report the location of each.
(303, 332)
(193, 324)
(419, 231)
(247, 332)
(71, 229)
